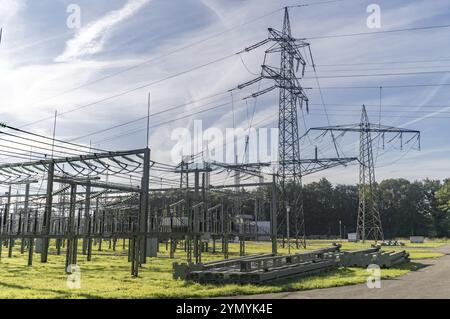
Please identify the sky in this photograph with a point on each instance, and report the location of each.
(183, 52)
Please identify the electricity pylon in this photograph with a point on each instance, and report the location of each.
(291, 95)
(369, 222)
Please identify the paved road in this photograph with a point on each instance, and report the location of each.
(432, 281)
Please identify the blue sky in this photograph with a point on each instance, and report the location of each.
(40, 57)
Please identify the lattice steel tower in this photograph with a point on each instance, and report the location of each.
(369, 222)
(291, 95)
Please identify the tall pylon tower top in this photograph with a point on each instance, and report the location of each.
(364, 117)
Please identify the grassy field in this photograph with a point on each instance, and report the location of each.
(108, 276)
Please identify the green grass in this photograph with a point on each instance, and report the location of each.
(109, 276)
(423, 254)
(416, 251)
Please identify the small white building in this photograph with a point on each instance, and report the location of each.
(417, 239)
(263, 229)
(352, 237)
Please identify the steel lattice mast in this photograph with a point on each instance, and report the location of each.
(288, 138)
(291, 96)
(369, 221)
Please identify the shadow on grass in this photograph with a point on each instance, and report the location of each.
(338, 277)
(296, 283)
(411, 266)
(286, 284)
(60, 293)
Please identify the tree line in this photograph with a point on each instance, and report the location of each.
(406, 208)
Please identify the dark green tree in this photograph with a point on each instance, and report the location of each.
(441, 218)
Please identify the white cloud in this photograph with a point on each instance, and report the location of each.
(9, 9)
(90, 39)
(28, 83)
(215, 7)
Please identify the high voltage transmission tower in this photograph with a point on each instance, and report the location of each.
(291, 96)
(369, 222)
(367, 203)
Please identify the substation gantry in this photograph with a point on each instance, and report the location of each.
(84, 202)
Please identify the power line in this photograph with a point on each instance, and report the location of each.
(165, 110)
(180, 49)
(393, 111)
(48, 138)
(323, 102)
(34, 147)
(163, 123)
(377, 32)
(389, 68)
(385, 105)
(315, 3)
(172, 76)
(387, 62)
(111, 97)
(39, 143)
(378, 74)
(377, 87)
(387, 116)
